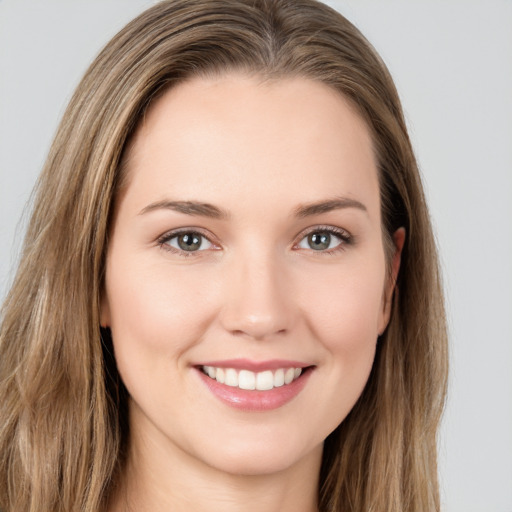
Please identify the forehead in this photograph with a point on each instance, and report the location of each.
(237, 138)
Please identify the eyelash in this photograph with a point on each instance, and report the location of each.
(164, 240)
(344, 236)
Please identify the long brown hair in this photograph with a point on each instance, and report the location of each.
(62, 406)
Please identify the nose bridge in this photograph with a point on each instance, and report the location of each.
(257, 303)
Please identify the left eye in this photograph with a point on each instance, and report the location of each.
(189, 241)
(321, 241)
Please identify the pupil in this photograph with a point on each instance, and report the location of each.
(319, 241)
(189, 242)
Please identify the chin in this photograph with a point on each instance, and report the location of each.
(261, 458)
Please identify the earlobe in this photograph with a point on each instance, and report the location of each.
(398, 242)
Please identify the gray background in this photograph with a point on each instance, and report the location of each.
(452, 62)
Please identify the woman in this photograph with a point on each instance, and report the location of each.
(229, 295)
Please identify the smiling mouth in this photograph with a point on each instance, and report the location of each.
(249, 380)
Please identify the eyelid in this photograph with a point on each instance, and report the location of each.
(346, 237)
(163, 240)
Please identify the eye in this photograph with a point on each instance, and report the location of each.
(324, 240)
(187, 241)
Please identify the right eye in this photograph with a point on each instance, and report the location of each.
(186, 241)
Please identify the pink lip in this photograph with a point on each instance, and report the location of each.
(254, 366)
(256, 400)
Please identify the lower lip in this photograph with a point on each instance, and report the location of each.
(253, 400)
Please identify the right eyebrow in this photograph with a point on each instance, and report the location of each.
(188, 208)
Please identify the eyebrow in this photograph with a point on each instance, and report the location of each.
(209, 210)
(188, 208)
(320, 207)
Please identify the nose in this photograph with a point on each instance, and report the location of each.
(258, 302)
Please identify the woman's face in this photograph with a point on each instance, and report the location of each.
(246, 249)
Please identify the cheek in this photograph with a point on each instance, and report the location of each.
(154, 310)
(343, 315)
(344, 306)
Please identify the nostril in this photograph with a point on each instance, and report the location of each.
(258, 332)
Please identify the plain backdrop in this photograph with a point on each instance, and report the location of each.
(452, 62)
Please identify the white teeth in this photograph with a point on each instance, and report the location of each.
(245, 379)
(288, 375)
(231, 378)
(211, 371)
(264, 380)
(219, 375)
(279, 378)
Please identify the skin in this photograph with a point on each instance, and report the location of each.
(258, 150)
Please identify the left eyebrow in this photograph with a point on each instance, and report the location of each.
(310, 209)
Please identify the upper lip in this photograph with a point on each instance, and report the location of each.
(255, 366)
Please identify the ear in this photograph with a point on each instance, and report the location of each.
(387, 299)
